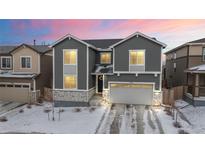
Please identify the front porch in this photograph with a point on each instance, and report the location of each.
(195, 91)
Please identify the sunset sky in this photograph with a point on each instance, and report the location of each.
(172, 32)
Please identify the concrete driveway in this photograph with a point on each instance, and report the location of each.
(130, 119)
(8, 106)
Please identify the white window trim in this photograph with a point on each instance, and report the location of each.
(110, 57)
(30, 62)
(64, 50)
(136, 51)
(69, 89)
(2, 62)
(175, 55)
(76, 81)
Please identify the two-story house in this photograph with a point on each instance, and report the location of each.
(24, 71)
(185, 67)
(124, 70)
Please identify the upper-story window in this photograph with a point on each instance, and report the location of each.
(175, 55)
(5, 62)
(70, 56)
(105, 58)
(137, 57)
(203, 54)
(25, 62)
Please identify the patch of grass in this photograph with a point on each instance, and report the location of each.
(77, 110)
(21, 111)
(181, 131)
(3, 119)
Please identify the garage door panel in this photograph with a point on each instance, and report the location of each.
(131, 94)
(15, 93)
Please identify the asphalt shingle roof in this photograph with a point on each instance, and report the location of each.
(198, 41)
(6, 49)
(39, 48)
(102, 43)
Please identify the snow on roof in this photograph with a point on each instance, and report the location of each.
(196, 69)
(103, 69)
(16, 75)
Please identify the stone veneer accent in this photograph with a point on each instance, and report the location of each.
(73, 96)
(157, 98)
(91, 92)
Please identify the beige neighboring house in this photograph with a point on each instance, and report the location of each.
(24, 71)
(185, 66)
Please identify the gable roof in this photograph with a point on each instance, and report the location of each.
(195, 42)
(142, 35)
(6, 49)
(73, 37)
(202, 40)
(102, 43)
(41, 49)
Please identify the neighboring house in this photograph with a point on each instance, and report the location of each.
(24, 71)
(184, 67)
(122, 70)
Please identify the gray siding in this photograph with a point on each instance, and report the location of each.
(92, 61)
(152, 54)
(133, 78)
(179, 77)
(82, 62)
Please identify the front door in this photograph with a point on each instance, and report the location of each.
(99, 83)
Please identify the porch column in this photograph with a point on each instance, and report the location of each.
(196, 91)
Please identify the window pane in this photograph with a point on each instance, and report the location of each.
(105, 58)
(133, 57)
(28, 62)
(8, 65)
(70, 82)
(4, 62)
(70, 57)
(23, 62)
(137, 57)
(140, 57)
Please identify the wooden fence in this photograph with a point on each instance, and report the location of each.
(48, 94)
(170, 95)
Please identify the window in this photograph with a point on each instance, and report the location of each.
(5, 62)
(25, 62)
(70, 56)
(105, 58)
(137, 57)
(175, 55)
(175, 67)
(203, 54)
(70, 82)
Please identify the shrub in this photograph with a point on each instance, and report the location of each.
(40, 100)
(29, 106)
(61, 110)
(92, 109)
(3, 119)
(77, 110)
(177, 125)
(21, 111)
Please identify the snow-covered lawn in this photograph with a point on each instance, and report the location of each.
(195, 115)
(35, 120)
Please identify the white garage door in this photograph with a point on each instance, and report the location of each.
(14, 92)
(131, 93)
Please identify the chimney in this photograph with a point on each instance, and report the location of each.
(34, 42)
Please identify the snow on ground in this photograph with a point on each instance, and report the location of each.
(166, 121)
(196, 115)
(35, 120)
